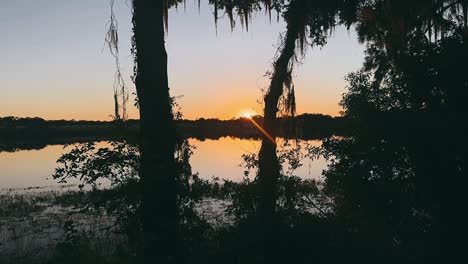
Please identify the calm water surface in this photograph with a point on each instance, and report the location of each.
(212, 158)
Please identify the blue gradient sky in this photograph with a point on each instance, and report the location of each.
(53, 65)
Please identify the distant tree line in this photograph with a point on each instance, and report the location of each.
(306, 126)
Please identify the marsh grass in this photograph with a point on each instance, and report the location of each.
(36, 225)
(69, 225)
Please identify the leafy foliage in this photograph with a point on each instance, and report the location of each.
(118, 163)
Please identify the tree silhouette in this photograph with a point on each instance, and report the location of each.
(305, 20)
(158, 135)
(390, 28)
(157, 131)
(394, 182)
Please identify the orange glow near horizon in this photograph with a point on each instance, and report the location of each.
(233, 106)
(103, 113)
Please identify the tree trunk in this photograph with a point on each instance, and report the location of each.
(157, 172)
(269, 167)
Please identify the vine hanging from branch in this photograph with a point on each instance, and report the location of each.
(119, 86)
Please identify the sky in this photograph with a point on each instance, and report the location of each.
(54, 64)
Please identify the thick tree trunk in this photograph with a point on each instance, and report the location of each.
(269, 167)
(157, 172)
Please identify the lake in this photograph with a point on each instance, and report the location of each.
(212, 158)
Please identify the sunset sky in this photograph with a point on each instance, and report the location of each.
(54, 63)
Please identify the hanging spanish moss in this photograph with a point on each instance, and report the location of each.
(244, 9)
(389, 26)
(308, 24)
(119, 86)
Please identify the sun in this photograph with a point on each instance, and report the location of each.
(247, 114)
